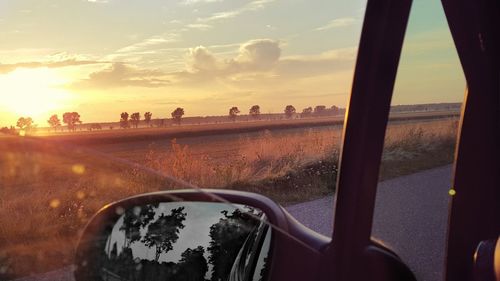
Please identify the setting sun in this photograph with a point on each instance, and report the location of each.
(32, 92)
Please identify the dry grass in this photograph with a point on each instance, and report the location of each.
(267, 156)
(48, 193)
(415, 147)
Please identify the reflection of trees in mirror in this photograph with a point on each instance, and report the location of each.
(264, 270)
(134, 219)
(228, 236)
(165, 231)
(159, 228)
(192, 267)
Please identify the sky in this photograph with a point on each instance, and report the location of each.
(103, 57)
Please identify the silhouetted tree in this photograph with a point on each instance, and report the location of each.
(164, 232)
(177, 115)
(135, 118)
(227, 238)
(9, 131)
(319, 109)
(54, 122)
(192, 266)
(25, 123)
(289, 111)
(125, 264)
(255, 111)
(95, 126)
(71, 119)
(306, 112)
(134, 219)
(335, 110)
(233, 113)
(155, 271)
(124, 120)
(147, 118)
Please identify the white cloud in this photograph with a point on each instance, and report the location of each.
(316, 65)
(254, 55)
(122, 75)
(259, 54)
(56, 61)
(252, 6)
(154, 41)
(199, 26)
(220, 16)
(201, 59)
(340, 22)
(261, 60)
(192, 2)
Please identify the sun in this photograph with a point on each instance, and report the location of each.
(33, 92)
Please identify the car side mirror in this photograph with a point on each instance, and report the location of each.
(194, 235)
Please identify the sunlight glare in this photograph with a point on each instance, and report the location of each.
(32, 92)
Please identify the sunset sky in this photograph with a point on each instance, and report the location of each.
(102, 57)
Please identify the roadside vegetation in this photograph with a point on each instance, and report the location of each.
(48, 191)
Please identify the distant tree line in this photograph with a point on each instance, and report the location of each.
(290, 112)
(133, 120)
(73, 119)
(321, 110)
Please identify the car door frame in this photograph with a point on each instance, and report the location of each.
(475, 209)
(476, 178)
(365, 123)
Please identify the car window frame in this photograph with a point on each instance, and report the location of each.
(377, 61)
(474, 206)
(477, 43)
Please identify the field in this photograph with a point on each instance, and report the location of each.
(51, 186)
(144, 133)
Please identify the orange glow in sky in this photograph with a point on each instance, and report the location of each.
(33, 92)
(205, 56)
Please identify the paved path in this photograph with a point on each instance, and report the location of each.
(410, 217)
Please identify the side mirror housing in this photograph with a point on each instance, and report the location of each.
(197, 235)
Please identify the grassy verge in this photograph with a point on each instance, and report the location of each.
(48, 193)
(416, 147)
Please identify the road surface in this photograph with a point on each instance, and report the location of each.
(410, 217)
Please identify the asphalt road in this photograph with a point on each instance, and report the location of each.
(410, 217)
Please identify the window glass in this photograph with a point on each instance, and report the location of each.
(262, 265)
(99, 99)
(415, 178)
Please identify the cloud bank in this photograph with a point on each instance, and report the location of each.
(256, 61)
(122, 75)
(263, 56)
(7, 68)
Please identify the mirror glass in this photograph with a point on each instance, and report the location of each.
(186, 241)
